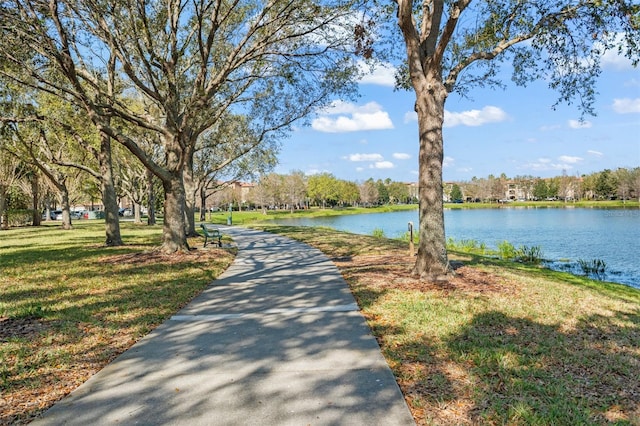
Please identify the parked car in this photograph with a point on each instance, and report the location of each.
(53, 215)
(93, 215)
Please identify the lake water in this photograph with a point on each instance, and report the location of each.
(565, 235)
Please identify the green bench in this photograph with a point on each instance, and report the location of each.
(212, 232)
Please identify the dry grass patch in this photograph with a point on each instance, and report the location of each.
(68, 306)
(499, 343)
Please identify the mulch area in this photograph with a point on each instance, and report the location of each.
(21, 327)
(394, 271)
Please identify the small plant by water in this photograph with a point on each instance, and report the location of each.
(596, 267)
(506, 250)
(378, 233)
(526, 254)
(406, 236)
(467, 246)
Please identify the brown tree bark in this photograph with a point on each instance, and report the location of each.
(151, 199)
(432, 261)
(109, 196)
(191, 190)
(424, 57)
(174, 236)
(35, 196)
(4, 214)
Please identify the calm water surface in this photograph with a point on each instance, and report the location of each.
(564, 235)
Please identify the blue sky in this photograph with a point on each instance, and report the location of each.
(513, 131)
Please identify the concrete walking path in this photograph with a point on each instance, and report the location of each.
(276, 340)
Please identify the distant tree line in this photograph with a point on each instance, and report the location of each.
(620, 184)
(296, 190)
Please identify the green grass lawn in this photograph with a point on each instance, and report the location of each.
(514, 345)
(68, 304)
(253, 216)
(530, 346)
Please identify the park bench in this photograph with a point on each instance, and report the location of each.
(211, 232)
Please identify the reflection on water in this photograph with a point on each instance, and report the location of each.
(566, 235)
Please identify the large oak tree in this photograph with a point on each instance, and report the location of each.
(453, 45)
(189, 62)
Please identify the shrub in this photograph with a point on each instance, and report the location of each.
(595, 267)
(467, 246)
(20, 217)
(507, 251)
(378, 233)
(527, 254)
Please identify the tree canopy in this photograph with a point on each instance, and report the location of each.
(185, 65)
(451, 46)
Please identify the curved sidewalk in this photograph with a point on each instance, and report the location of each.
(275, 340)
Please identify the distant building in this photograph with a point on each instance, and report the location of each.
(412, 188)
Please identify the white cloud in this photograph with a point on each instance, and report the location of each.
(352, 118)
(569, 159)
(612, 59)
(577, 124)
(381, 74)
(365, 157)
(626, 105)
(474, 117)
(634, 82)
(410, 116)
(550, 127)
(339, 107)
(401, 156)
(382, 165)
(596, 153)
(448, 162)
(564, 162)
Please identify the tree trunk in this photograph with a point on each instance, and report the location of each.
(35, 185)
(151, 195)
(173, 230)
(4, 216)
(191, 191)
(66, 208)
(137, 208)
(432, 261)
(203, 203)
(109, 197)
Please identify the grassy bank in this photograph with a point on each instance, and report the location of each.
(68, 305)
(253, 216)
(502, 343)
(608, 204)
(248, 217)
